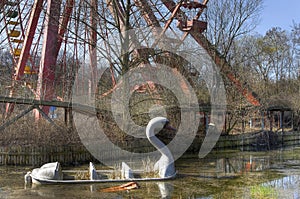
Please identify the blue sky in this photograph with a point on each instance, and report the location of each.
(279, 14)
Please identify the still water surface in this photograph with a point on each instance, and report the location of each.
(222, 174)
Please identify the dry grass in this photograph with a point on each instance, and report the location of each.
(27, 132)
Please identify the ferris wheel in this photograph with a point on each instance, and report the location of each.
(15, 20)
(51, 40)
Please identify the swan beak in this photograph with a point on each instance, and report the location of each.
(169, 127)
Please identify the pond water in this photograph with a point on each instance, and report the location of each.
(222, 174)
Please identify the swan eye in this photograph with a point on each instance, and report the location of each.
(166, 123)
(168, 126)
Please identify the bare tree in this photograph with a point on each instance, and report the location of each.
(228, 21)
(231, 19)
(295, 37)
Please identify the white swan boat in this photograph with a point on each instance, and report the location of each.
(52, 173)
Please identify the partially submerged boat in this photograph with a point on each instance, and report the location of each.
(52, 173)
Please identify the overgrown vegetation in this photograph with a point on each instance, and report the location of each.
(268, 64)
(27, 132)
(263, 192)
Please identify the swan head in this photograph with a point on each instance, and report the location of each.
(158, 123)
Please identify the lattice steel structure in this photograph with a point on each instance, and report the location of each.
(51, 40)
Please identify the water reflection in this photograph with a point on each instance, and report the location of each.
(165, 189)
(233, 166)
(287, 187)
(157, 189)
(229, 174)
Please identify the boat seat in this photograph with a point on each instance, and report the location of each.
(93, 172)
(126, 171)
(50, 171)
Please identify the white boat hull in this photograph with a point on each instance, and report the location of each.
(52, 173)
(36, 180)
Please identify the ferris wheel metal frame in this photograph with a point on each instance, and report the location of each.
(55, 28)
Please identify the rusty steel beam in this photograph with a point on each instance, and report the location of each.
(216, 56)
(46, 86)
(167, 25)
(152, 21)
(116, 11)
(225, 68)
(147, 13)
(93, 44)
(34, 17)
(64, 22)
(196, 17)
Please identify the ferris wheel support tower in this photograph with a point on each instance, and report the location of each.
(45, 86)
